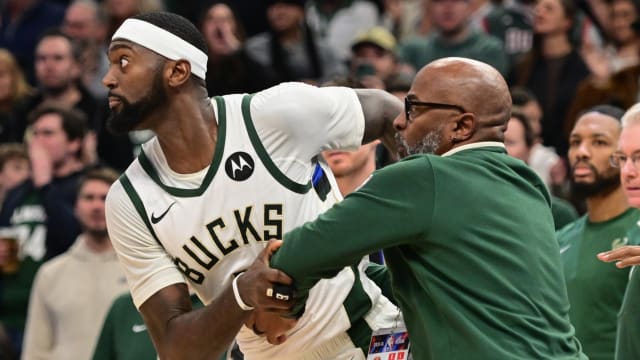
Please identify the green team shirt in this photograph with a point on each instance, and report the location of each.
(563, 212)
(628, 342)
(420, 51)
(595, 288)
(469, 243)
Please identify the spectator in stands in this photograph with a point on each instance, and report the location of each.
(13, 90)
(513, 24)
(290, 50)
(337, 22)
(373, 61)
(230, 69)
(519, 140)
(453, 37)
(119, 10)
(14, 167)
(57, 70)
(21, 24)
(553, 68)
(86, 22)
(543, 159)
(72, 293)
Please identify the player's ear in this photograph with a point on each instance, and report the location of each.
(179, 72)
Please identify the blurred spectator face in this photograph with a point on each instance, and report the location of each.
(382, 60)
(623, 14)
(6, 83)
(533, 112)
(49, 133)
(122, 9)
(591, 142)
(550, 18)
(15, 171)
(12, 82)
(346, 163)
(56, 68)
(450, 16)
(81, 22)
(629, 146)
(218, 22)
(90, 207)
(514, 140)
(284, 17)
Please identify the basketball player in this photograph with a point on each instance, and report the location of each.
(221, 178)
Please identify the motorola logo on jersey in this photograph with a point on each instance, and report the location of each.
(239, 166)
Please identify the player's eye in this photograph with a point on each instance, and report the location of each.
(123, 62)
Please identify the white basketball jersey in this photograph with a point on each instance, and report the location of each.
(215, 230)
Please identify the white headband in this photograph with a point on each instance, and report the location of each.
(164, 43)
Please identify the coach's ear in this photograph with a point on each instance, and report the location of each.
(179, 72)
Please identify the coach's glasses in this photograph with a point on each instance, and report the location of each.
(410, 113)
(618, 160)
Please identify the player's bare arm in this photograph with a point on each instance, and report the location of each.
(380, 108)
(624, 256)
(178, 332)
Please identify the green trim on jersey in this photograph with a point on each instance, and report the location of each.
(213, 168)
(264, 155)
(137, 203)
(357, 305)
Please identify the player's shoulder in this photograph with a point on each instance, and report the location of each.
(296, 91)
(572, 229)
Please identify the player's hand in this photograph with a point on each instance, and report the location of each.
(625, 256)
(257, 284)
(273, 326)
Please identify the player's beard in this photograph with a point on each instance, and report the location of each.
(604, 183)
(429, 144)
(132, 114)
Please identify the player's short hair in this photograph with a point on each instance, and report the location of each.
(605, 109)
(76, 46)
(177, 25)
(74, 122)
(519, 116)
(101, 173)
(521, 96)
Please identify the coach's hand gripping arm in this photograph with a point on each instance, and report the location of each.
(178, 332)
(380, 108)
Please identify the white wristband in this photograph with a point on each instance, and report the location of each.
(236, 294)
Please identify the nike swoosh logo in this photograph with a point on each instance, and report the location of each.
(138, 328)
(155, 220)
(564, 248)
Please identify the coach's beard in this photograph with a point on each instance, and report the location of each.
(132, 114)
(429, 144)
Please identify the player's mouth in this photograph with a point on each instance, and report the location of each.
(114, 102)
(582, 169)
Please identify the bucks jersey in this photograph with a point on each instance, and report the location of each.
(595, 288)
(209, 226)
